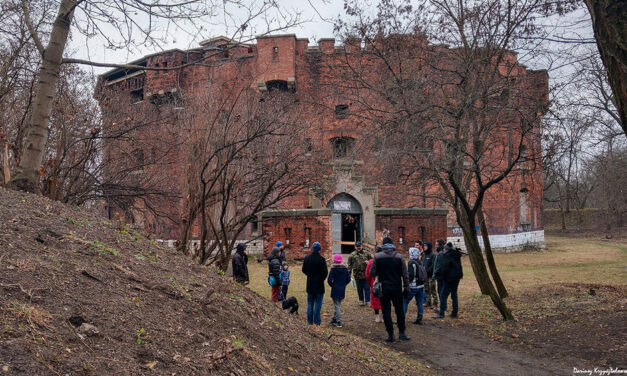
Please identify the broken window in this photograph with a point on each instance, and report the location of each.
(341, 110)
(341, 147)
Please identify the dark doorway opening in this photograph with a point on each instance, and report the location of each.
(351, 231)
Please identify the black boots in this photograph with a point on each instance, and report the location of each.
(418, 320)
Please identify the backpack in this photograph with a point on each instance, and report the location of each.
(421, 275)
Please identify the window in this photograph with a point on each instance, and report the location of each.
(401, 234)
(341, 110)
(341, 147)
(307, 236)
(288, 234)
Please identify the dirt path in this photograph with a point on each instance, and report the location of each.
(464, 352)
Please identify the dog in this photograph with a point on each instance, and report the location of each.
(292, 304)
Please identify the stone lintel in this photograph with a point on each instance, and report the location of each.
(409, 211)
(295, 213)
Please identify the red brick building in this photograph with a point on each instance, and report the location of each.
(358, 203)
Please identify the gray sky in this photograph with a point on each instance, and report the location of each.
(316, 21)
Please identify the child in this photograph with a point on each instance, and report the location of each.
(285, 281)
(339, 277)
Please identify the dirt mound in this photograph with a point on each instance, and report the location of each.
(80, 296)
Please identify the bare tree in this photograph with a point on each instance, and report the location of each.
(95, 17)
(465, 117)
(608, 24)
(248, 153)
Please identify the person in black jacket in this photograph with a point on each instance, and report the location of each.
(390, 267)
(428, 257)
(274, 269)
(315, 268)
(450, 271)
(240, 264)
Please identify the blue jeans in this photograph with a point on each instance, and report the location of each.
(449, 288)
(363, 290)
(314, 305)
(419, 293)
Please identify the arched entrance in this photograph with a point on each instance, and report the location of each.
(346, 222)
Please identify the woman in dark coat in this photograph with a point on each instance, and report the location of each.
(240, 264)
(315, 268)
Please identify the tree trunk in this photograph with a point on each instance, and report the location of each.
(481, 272)
(27, 174)
(496, 277)
(608, 24)
(5, 164)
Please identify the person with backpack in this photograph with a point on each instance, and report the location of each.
(315, 268)
(357, 262)
(391, 271)
(450, 272)
(417, 278)
(375, 303)
(240, 264)
(274, 273)
(339, 277)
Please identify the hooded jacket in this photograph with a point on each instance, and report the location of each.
(450, 266)
(413, 266)
(428, 257)
(274, 263)
(240, 267)
(339, 277)
(390, 267)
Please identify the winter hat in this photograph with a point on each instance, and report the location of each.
(241, 246)
(275, 251)
(337, 258)
(387, 240)
(414, 253)
(316, 247)
(278, 243)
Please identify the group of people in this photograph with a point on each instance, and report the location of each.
(382, 281)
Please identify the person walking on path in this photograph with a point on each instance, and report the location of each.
(274, 270)
(339, 277)
(417, 278)
(357, 262)
(240, 264)
(315, 268)
(390, 267)
(428, 259)
(375, 303)
(450, 272)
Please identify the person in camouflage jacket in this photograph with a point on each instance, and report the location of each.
(357, 262)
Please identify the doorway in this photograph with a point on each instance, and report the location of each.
(346, 222)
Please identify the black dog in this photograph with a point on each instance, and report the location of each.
(292, 304)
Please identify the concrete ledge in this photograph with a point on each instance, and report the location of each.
(508, 242)
(295, 213)
(409, 211)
